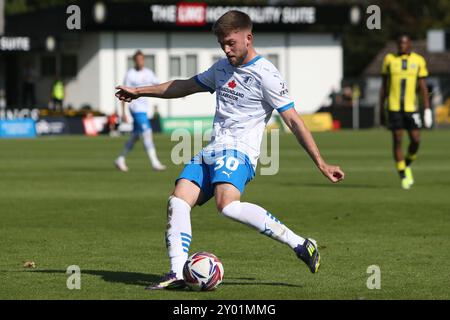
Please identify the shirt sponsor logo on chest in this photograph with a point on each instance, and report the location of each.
(230, 91)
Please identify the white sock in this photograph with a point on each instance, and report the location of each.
(263, 221)
(152, 156)
(147, 138)
(178, 233)
(129, 145)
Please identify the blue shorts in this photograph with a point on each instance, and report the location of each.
(140, 122)
(229, 166)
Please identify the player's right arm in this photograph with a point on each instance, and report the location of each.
(384, 82)
(276, 94)
(383, 90)
(383, 95)
(167, 90)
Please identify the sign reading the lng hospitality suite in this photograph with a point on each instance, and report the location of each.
(199, 14)
(101, 16)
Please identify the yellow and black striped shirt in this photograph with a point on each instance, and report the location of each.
(403, 72)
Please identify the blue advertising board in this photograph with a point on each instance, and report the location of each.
(20, 128)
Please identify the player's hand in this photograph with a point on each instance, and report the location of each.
(124, 119)
(333, 173)
(428, 118)
(126, 94)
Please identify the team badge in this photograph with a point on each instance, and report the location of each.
(248, 80)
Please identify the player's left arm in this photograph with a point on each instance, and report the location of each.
(425, 94)
(427, 114)
(423, 73)
(306, 140)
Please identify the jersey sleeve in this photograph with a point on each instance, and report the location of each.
(275, 91)
(385, 66)
(423, 71)
(207, 79)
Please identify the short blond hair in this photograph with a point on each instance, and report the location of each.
(232, 21)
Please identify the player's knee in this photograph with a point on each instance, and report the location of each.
(178, 200)
(148, 139)
(188, 191)
(148, 144)
(415, 141)
(223, 201)
(135, 136)
(226, 194)
(220, 205)
(397, 142)
(231, 209)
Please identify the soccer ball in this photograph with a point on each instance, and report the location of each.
(203, 271)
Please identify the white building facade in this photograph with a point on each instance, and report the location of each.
(312, 64)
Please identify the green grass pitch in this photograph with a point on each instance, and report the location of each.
(62, 203)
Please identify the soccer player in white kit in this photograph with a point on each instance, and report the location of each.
(248, 88)
(138, 76)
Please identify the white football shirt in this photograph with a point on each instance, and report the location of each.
(245, 99)
(138, 78)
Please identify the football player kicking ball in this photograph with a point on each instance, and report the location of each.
(248, 88)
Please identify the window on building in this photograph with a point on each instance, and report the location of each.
(274, 59)
(183, 66)
(149, 62)
(69, 66)
(175, 66)
(48, 66)
(191, 65)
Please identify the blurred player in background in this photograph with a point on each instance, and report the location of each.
(401, 73)
(57, 95)
(113, 125)
(137, 76)
(248, 88)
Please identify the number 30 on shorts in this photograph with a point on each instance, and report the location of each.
(230, 163)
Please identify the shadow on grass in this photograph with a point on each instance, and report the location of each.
(260, 283)
(337, 185)
(144, 279)
(131, 278)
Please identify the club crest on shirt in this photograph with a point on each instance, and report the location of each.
(248, 80)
